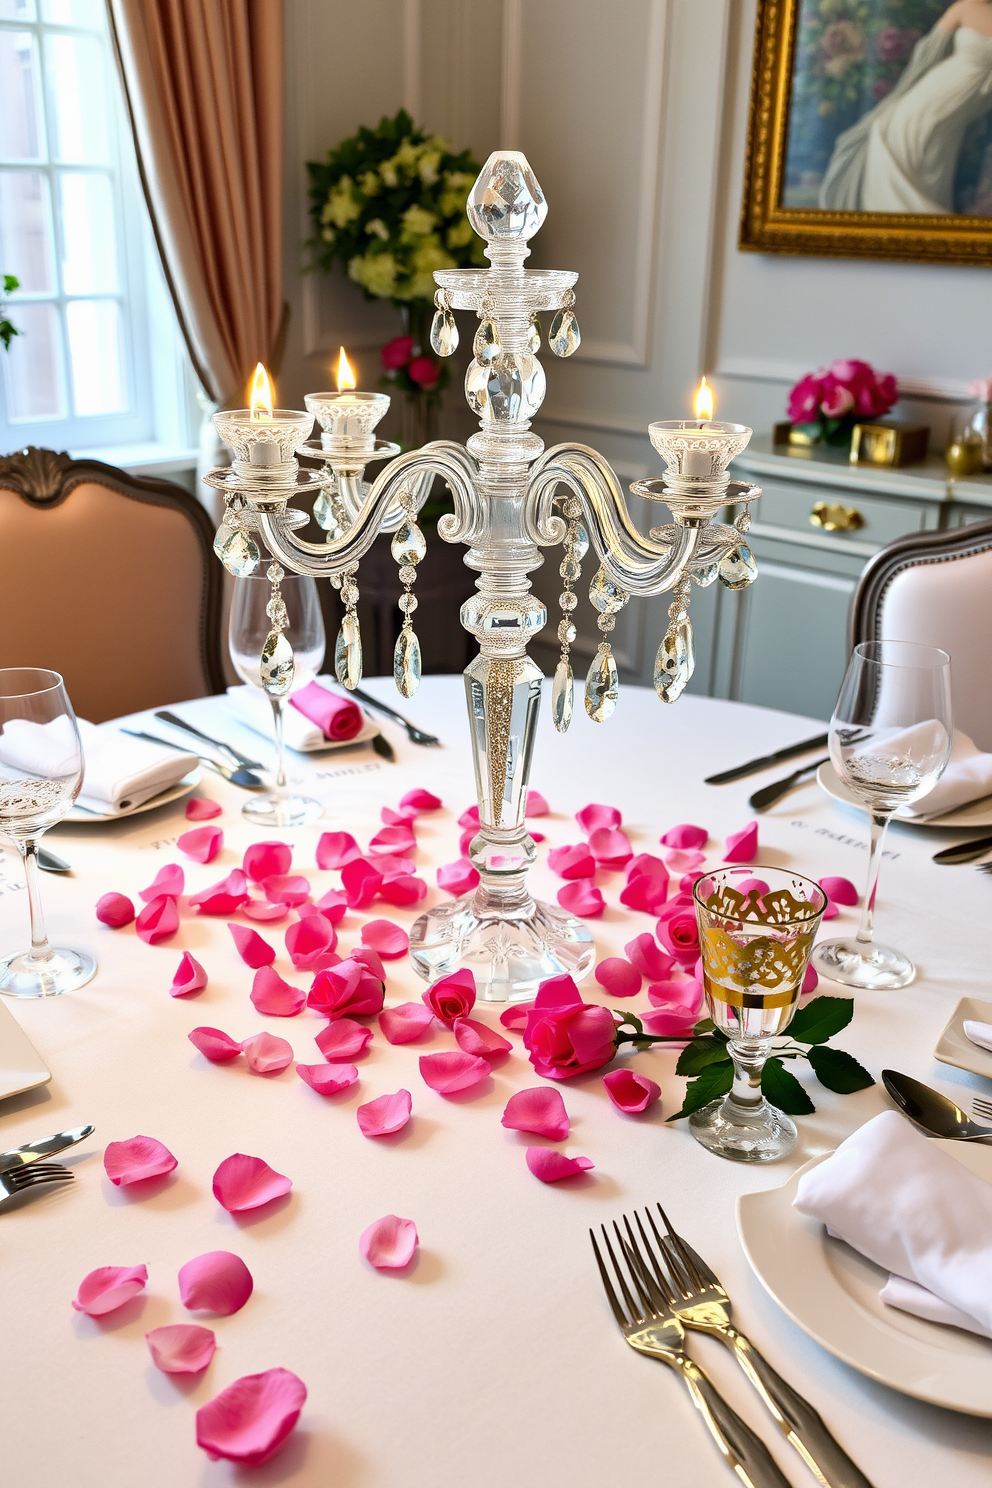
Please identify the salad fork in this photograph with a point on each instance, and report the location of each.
(17, 1180)
(983, 1107)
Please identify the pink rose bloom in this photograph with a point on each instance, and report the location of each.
(565, 1036)
(425, 372)
(396, 353)
(678, 933)
(836, 399)
(348, 989)
(804, 400)
(452, 996)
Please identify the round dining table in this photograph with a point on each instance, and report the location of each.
(493, 1358)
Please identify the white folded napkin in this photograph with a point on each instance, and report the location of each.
(908, 1297)
(253, 708)
(906, 1204)
(978, 1033)
(968, 777)
(119, 772)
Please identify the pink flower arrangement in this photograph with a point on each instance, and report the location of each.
(835, 396)
(407, 366)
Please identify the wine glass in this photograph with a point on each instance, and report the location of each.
(41, 771)
(890, 740)
(248, 630)
(756, 932)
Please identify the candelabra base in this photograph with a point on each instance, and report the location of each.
(282, 811)
(509, 954)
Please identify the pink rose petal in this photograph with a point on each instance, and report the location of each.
(137, 1159)
(448, 1073)
(591, 818)
(335, 849)
(742, 846)
(114, 910)
(327, 1079)
(811, 980)
(391, 941)
(218, 1281)
(619, 977)
(646, 864)
(181, 1348)
(551, 1166)
(403, 1024)
(390, 865)
(109, 1287)
(458, 878)
(610, 847)
(385, 1115)
(399, 839)
(465, 842)
(516, 1017)
(214, 1044)
(646, 891)
(243, 1182)
(253, 950)
(473, 1037)
(686, 836)
(673, 1019)
(190, 977)
(202, 844)
(573, 861)
(389, 1244)
(274, 997)
(631, 1092)
(307, 938)
(286, 888)
(264, 859)
(682, 860)
(540, 1110)
(536, 804)
(404, 889)
(749, 885)
(362, 882)
(170, 880)
(369, 957)
(391, 818)
(159, 920)
(646, 954)
(267, 1054)
(688, 881)
(452, 996)
(222, 898)
(343, 1039)
(249, 1421)
(199, 808)
(470, 818)
(333, 905)
(840, 890)
(582, 899)
(264, 912)
(420, 800)
(348, 989)
(535, 835)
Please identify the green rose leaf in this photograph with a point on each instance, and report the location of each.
(695, 1057)
(839, 1071)
(714, 1081)
(820, 1019)
(782, 1089)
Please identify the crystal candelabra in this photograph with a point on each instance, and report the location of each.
(510, 499)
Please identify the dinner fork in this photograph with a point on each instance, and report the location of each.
(17, 1180)
(982, 1106)
(650, 1326)
(702, 1303)
(414, 734)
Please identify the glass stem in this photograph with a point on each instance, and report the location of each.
(879, 822)
(40, 948)
(749, 1061)
(277, 711)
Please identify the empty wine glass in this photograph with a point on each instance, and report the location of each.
(890, 740)
(41, 770)
(248, 630)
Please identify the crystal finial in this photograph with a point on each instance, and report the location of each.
(409, 544)
(406, 663)
(674, 663)
(506, 201)
(602, 685)
(277, 666)
(738, 568)
(562, 690)
(238, 551)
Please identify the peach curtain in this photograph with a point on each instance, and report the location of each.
(204, 85)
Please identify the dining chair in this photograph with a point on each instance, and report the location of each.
(935, 588)
(108, 579)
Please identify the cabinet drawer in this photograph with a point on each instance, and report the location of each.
(878, 519)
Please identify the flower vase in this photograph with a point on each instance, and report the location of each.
(419, 419)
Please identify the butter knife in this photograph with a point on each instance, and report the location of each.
(19, 1157)
(964, 852)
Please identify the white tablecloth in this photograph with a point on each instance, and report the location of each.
(496, 1361)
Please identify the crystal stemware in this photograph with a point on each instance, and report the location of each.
(890, 740)
(756, 931)
(41, 771)
(248, 630)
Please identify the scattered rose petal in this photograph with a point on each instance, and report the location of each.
(811, 980)
(136, 1159)
(114, 910)
(214, 1044)
(181, 1348)
(391, 865)
(343, 1039)
(671, 1022)
(742, 846)
(266, 1053)
(274, 997)
(404, 889)
(362, 882)
(840, 890)
(170, 880)
(688, 881)
(369, 957)
(390, 1243)
(243, 1182)
(263, 860)
(683, 993)
(516, 1017)
(249, 1421)
(264, 912)
(685, 836)
(551, 1166)
(327, 1079)
(399, 839)
(108, 1287)
(631, 1092)
(458, 878)
(645, 891)
(682, 860)
(253, 950)
(218, 1281)
(465, 843)
(190, 977)
(651, 961)
(452, 996)
(536, 804)
(202, 844)
(286, 888)
(199, 808)
(592, 817)
(540, 1110)
(831, 911)
(159, 920)
(333, 905)
(751, 885)
(307, 938)
(346, 989)
(470, 818)
(222, 898)
(389, 940)
(419, 799)
(391, 818)
(610, 847)
(473, 1037)
(385, 1115)
(448, 1073)
(573, 861)
(403, 1024)
(335, 849)
(646, 864)
(582, 899)
(619, 977)
(535, 835)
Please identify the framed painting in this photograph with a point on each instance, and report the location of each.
(870, 133)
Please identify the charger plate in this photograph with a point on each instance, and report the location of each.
(21, 1066)
(832, 1293)
(971, 814)
(954, 1046)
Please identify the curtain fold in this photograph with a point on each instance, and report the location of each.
(204, 85)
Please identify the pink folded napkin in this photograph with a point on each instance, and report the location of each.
(340, 718)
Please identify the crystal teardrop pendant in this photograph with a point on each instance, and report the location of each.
(444, 333)
(238, 551)
(562, 690)
(581, 546)
(704, 577)
(348, 653)
(277, 667)
(409, 544)
(607, 597)
(564, 336)
(674, 664)
(486, 344)
(406, 663)
(602, 685)
(534, 335)
(325, 514)
(738, 568)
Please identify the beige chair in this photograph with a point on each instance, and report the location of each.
(109, 580)
(936, 588)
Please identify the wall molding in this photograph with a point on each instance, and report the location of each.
(754, 369)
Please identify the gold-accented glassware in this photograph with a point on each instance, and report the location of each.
(756, 932)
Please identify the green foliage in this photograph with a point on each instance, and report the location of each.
(715, 1080)
(820, 1019)
(7, 328)
(838, 1071)
(781, 1088)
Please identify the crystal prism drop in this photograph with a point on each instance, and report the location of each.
(486, 344)
(325, 514)
(704, 576)
(674, 664)
(561, 696)
(237, 551)
(607, 597)
(277, 667)
(738, 568)
(409, 544)
(602, 686)
(534, 336)
(444, 333)
(406, 663)
(564, 337)
(348, 653)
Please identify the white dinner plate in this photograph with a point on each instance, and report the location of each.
(21, 1066)
(954, 1047)
(175, 792)
(832, 1293)
(368, 730)
(971, 814)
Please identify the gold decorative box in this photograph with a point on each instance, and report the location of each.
(889, 444)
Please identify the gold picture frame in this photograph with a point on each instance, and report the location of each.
(768, 226)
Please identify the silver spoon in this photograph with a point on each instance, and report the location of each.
(928, 1109)
(50, 863)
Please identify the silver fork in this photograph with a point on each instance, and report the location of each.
(650, 1326)
(982, 1106)
(17, 1180)
(703, 1304)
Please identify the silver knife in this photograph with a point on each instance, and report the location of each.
(19, 1157)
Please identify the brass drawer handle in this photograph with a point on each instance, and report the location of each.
(834, 518)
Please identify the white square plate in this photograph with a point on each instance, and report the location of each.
(21, 1066)
(953, 1047)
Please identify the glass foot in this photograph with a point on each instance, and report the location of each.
(282, 811)
(752, 1134)
(510, 957)
(61, 970)
(863, 964)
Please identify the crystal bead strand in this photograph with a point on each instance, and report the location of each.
(408, 547)
(348, 646)
(570, 568)
(602, 681)
(564, 336)
(675, 661)
(277, 666)
(444, 330)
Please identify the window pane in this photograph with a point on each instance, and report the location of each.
(16, 10)
(33, 366)
(89, 249)
(77, 89)
(21, 135)
(26, 230)
(74, 13)
(95, 356)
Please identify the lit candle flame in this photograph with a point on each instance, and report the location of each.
(702, 403)
(346, 374)
(260, 398)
